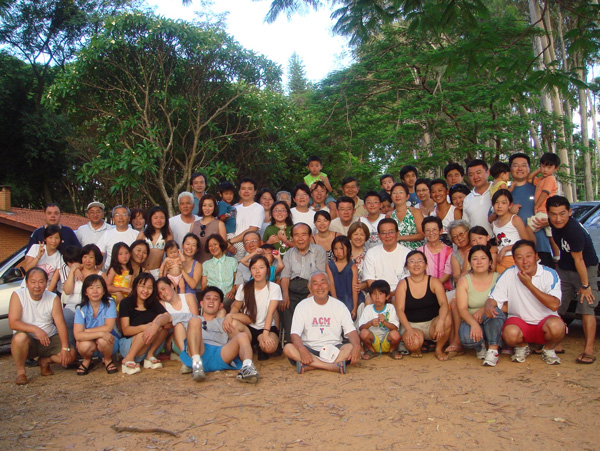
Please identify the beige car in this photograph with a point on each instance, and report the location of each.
(11, 276)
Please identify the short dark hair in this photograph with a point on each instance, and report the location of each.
(300, 187)
(385, 176)
(387, 221)
(406, 169)
(499, 168)
(476, 162)
(313, 158)
(434, 219)
(482, 248)
(422, 181)
(415, 252)
(195, 175)
(72, 254)
(478, 230)
(96, 250)
(373, 194)
(226, 186)
(51, 230)
(550, 159)
(248, 180)
(347, 180)
(345, 199)
(459, 188)
(519, 155)
(557, 201)
(386, 198)
(401, 185)
(208, 289)
(438, 182)
(522, 243)
(316, 184)
(220, 240)
(52, 204)
(380, 285)
(323, 213)
(262, 191)
(502, 192)
(452, 167)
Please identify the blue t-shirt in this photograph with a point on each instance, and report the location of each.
(524, 195)
(85, 315)
(225, 208)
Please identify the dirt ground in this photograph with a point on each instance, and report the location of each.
(379, 404)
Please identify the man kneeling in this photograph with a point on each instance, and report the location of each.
(533, 294)
(316, 331)
(211, 348)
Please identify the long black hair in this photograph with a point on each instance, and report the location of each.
(142, 278)
(149, 230)
(114, 258)
(249, 292)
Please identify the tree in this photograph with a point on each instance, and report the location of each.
(155, 100)
(297, 83)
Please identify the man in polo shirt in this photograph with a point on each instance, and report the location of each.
(52, 217)
(345, 209)
(91, 232)
(386, 261)
(577, 268)
(182, 223)
(300, 262)
(530, 294)
(476, 206)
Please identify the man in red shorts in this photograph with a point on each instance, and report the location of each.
(530, 294)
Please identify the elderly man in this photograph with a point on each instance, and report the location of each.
(350, 188)
(577, 268)
(300, 262)
(120, 233)
(345, 208)
(52, 217)
(210, 346)
(91, 232)
(476, 206)
(386, 261)
(317, 331)
(252, 244)
(530, 294)
(39, 330)
(182, 223)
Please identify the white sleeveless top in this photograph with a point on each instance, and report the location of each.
(446, 220)
(506, 235)
(37, 313)
(185, 308)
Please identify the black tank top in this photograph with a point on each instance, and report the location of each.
(422, 309)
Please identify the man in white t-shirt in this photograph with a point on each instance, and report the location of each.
(182, 223)
(93, 231)
(386, 261)
(476, 206)
(316, 332)
(121, 233)
(249, 216)
(530, 293)
(345, 208)
(373, 216)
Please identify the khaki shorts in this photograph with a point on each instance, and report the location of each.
(423, 327)
(36, 349)
(570, 283)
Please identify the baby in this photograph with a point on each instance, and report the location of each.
(172, 266)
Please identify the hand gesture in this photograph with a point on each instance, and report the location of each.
(41, 250)
(524, 278)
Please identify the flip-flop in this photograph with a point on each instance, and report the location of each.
(83, 370)
(455, 349)
(396, 355)
(368, 355)
(110, 368)
(342, 367)
(300, 367)
(585, 359)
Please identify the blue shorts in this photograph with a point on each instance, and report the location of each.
(212, 360)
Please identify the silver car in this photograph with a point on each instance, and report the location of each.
(11, 276)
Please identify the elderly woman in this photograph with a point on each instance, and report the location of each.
(409, 219)
(472, 292)
(156, 234)
(422, 308)
(285, 196)
(136, 313)
(39, 330)
(94, 325)
(208, 225)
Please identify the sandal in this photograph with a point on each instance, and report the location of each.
(153, 363)
(585, 359)
(110, 367)
(455, 348)
(368, 355)
(396, 355)
(341, 367)
(82, 370)
(130, 367)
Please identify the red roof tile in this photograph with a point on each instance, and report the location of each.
(26, 219)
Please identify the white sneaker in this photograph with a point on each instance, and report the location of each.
(549, 356)
(248, 374)
(185, 369)
(152, 363)
(520, 354)
(491, 358)
(198, 371)
(481, 353)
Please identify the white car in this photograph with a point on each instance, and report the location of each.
(11, 277)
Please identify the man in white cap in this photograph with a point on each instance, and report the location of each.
(91, 232)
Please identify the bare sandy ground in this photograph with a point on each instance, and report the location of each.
(379, 404)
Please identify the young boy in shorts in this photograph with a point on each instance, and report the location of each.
(378, 324)
(546, 186)
(315, 166)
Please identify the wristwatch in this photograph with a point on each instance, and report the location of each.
(66, 349)
(585, 287)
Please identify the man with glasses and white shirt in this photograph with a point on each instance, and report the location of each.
(121, 233)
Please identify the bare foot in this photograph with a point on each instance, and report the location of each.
(442, 356)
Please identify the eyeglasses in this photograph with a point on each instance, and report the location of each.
(120, 215)
(279, 211)
(459, 235)
(250, 242)
(389, 232)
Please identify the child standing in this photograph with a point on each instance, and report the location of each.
(378, 324)
(343, 274)
(508, 229)
(226, 209)
(172, 266)
(501, 174)
(119, 276)
(314, 166)
(546, 186)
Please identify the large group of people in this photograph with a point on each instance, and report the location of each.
(420, 266)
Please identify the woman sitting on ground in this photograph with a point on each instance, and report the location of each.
(136, 313)
(255, 305)
(156, 234)
(422, 308)
(94, 325)
(471, 294)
